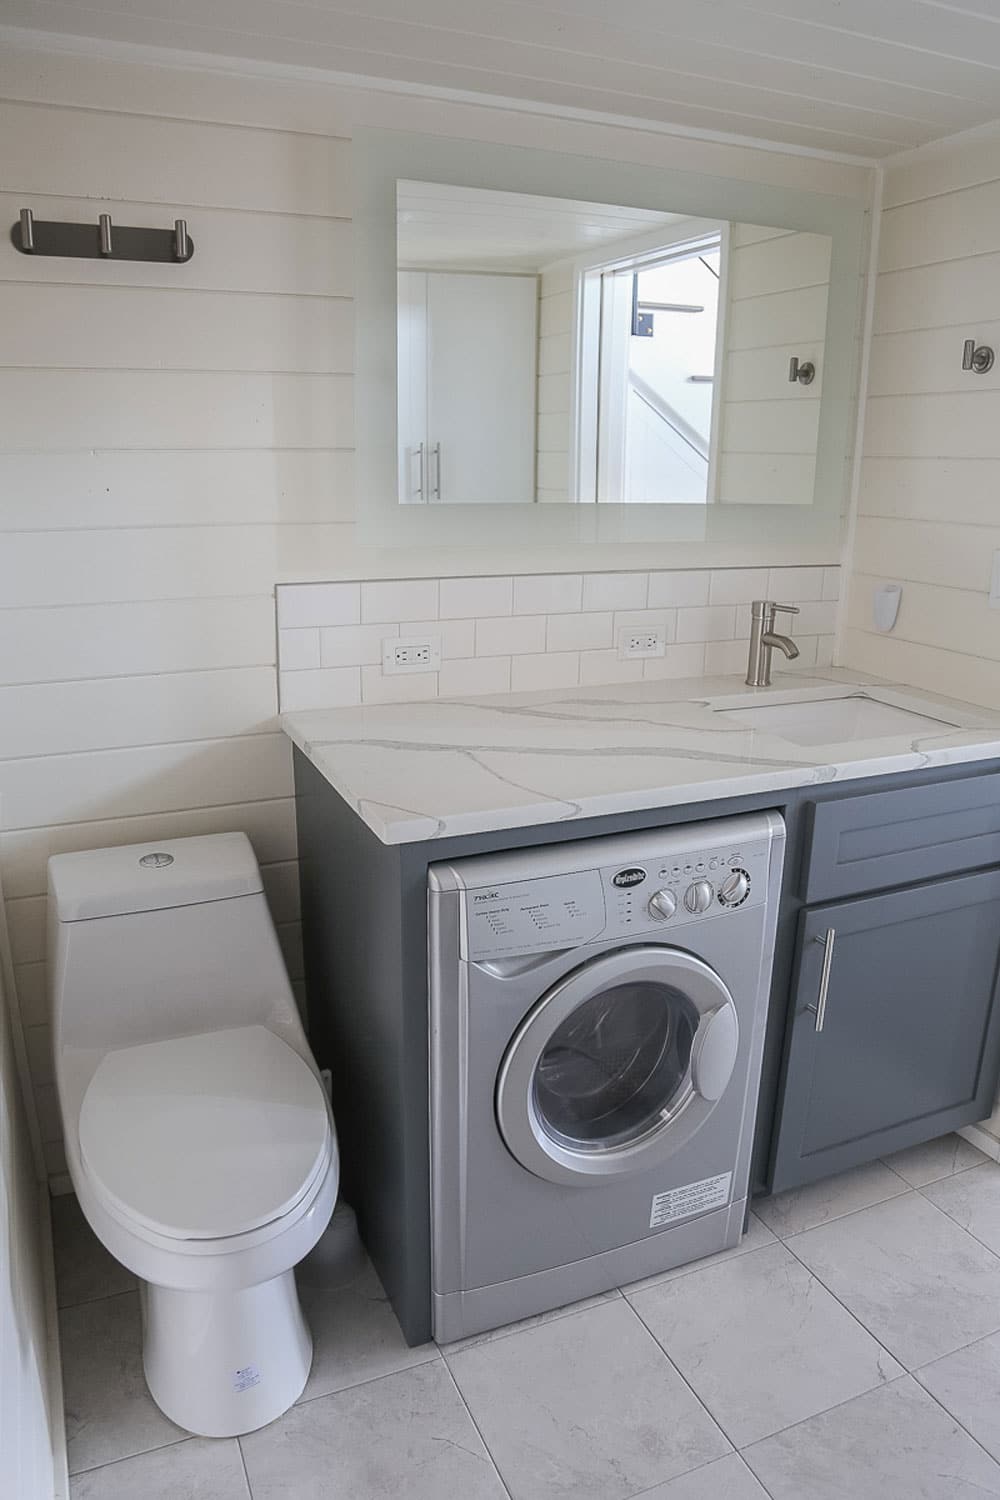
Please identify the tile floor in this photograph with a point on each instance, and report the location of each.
(850, 1347)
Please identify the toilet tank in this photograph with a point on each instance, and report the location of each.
(151, 941)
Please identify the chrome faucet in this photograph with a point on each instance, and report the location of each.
(763, 640)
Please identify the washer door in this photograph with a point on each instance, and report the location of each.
(617, 1065)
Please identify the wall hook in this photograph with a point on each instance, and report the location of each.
(804, 373)
(978, 359)
(105, 223)
(27, 221)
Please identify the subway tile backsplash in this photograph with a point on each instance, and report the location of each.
(535, 631)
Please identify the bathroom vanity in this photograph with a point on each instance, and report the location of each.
(883, 1028)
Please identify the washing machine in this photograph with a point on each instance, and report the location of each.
(597, 1014)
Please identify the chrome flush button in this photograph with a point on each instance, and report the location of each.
(156, 861)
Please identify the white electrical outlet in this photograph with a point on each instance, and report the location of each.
(641, 643)
(400, 655)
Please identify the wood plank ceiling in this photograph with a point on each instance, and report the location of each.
(865, 77)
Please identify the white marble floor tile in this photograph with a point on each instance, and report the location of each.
(406, 1436)
(932, 1160)
(109, 1412)
(762, 1343)
(199, 1469)
(967, 1383)
(84, 1269)
(804, 1208)
(972, 1199)
(586, 1407)
(891, 1444)
(355, 1335)
(909, 1273)
(492, 1334)
(725, 1479)
(756, 1237)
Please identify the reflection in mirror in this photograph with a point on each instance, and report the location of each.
(551, 350)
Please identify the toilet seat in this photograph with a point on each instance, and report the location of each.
(205, 1137)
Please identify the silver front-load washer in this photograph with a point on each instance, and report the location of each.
(597, 1024)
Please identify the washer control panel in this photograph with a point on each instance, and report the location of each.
(647, 899)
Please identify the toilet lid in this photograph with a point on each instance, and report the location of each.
(203, 1137)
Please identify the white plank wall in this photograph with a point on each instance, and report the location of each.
(169, 435)
(777, 293)
(929, 514)
(555, 374)
(29, 1435)
(176, 439)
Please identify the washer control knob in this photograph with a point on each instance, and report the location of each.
(662, 905)
(698, 897)
(735, 888)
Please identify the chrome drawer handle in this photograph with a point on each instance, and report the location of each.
(819, 1009)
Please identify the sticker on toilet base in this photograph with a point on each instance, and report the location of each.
(246, 1379)
(695, 1198)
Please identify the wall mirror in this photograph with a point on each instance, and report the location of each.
(622, 356)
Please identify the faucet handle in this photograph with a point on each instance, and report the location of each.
(764, 609)
(787, 609)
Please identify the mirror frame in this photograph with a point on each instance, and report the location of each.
(381, 157)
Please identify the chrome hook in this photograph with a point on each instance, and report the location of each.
(977, 359)
(27, 230)
(105, 223)
(804, 373)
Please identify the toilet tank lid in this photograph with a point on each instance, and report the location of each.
(153, 876)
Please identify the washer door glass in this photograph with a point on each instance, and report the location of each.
(617, 1065)
(611, 1071)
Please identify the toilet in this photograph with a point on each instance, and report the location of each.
(198, 1133)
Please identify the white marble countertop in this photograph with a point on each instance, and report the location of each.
(454, 766)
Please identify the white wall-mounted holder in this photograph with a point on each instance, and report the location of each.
(885, 605)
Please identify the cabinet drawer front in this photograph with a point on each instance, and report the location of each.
(897, 838)
(908, 1045)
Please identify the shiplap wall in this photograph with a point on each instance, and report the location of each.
(555, 381)
(777, 294)
(929, 508)
(29, 1434)
(175, 439)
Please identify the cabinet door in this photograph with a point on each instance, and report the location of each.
(481, 388)
(910, 1040)
(411, 386)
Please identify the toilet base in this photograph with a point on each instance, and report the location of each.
(223, 1363)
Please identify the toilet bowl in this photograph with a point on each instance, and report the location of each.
(198, 1134)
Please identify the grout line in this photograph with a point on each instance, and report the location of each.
(243, 1461)
(908, 1191)
(854, 1319)
(489, 1452)
(957, 1223)
(111, 1463)
(951, 1415)
(684, 1380)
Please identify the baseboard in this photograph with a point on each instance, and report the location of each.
(53, 1361)
(977, 1136)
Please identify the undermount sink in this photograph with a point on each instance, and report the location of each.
(833, 720)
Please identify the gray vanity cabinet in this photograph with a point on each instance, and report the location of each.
(905, 1045)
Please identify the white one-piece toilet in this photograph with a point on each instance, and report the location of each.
(198, 1134)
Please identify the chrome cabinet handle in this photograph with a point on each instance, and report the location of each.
(436, 452)
(819, 1009)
